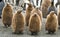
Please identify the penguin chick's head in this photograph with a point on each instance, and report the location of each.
(8, 5)
(52, 13)
(35, 14)
(37, 7)
(29, 5)
(19, 12)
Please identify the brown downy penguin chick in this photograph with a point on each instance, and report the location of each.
(28, 12)
(34, 24)
(18, 23)
(44, 7)
(51, 23)
(7, 15)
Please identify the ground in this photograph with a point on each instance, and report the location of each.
(7, 32)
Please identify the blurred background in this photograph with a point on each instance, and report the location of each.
(22, 4)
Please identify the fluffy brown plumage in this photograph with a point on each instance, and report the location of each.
(45, 5)
(34, 23)
(28, 12)
(18, 22)
(51, 22)
(7, 15)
